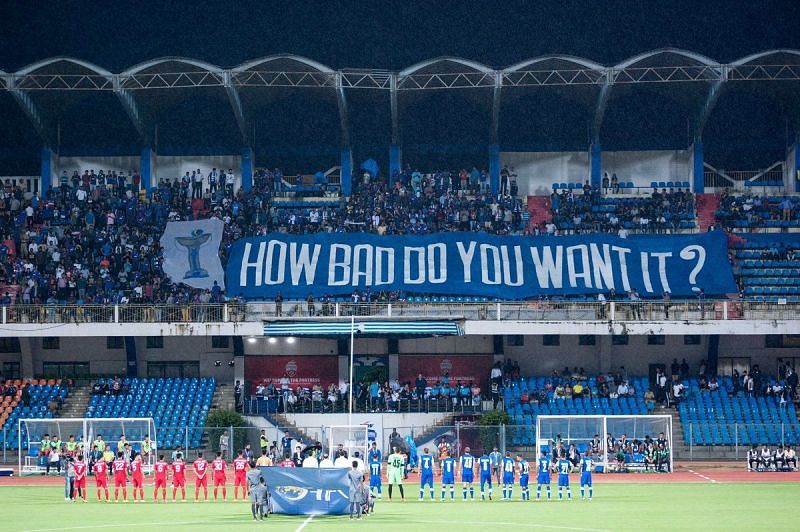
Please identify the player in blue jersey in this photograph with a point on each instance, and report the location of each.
(485, 468)
(425, 473)
(524, 476)
(374, 454)
(375, 485)
(496, 457)
(448, 466)
(564, 468)
(508, 476)
(587, 465)
(543, 477)
(467, 463)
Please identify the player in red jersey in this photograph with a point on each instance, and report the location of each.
(138, 477)
(160, 470)
(179, 477)
(287, 462)
(120, 468)
(80, 477)
(220, 479)
(101, 478)
(239, 476)
(200, 466)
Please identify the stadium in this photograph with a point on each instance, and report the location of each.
(411, 265)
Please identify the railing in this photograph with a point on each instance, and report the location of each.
(620, 311)
(733, 440)
(277, 404)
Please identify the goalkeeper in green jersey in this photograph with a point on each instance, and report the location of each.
(395, 471)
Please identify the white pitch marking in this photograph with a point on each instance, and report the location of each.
(702, 476)
(303, 525)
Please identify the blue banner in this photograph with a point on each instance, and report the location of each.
(477, 264)
(311, 491)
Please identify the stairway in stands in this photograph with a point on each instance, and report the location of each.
(76, 403)
(707, 205)
(539, 207)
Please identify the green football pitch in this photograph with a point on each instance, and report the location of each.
(617, 506)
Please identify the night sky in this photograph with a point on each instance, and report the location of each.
(394, 35)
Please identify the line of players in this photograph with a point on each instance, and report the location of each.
(491, 466)
(121, 468)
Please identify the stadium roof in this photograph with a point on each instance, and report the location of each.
(288, 104)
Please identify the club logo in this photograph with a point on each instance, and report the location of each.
(291, 368)
(446, 365)
(292, 493)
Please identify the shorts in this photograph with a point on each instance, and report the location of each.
(138, 482)
(467, 477)
(179, 482)
(586, 479)
(486, 478)
(220, 481)
(563, 481)
(80, 483)
(523, 481)
(426, 479)
(120, 482)
(448, 479)
(101, 482)
(239, 480)
(543, 478)
(508, 478)
(201, 482)
(396, 477)
(161, 483)
(375, 482)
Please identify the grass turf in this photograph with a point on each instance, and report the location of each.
(656, 506)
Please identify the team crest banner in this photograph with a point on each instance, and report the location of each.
(191, 253)
(298, 491)
(477, 264)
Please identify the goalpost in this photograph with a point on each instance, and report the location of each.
(351, 437)
(85, 430)
(581, 430)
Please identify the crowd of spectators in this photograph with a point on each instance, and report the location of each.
(751, 211)
(375, 395)
(587, 211)
(94, 238)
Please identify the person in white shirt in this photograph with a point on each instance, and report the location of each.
(677, 391)
(342, 462)
(326, 462)
(357, 458)
(310, 461)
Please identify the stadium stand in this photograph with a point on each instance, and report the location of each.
(526, 398)
(746, 212)
(729, 417)
(587, 211)
(766, 266)
(39, 397)
(175, 404)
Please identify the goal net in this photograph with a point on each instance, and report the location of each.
(350, 438)
(85, 432)
(616, 442)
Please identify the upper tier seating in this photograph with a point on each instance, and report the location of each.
(758, 212)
